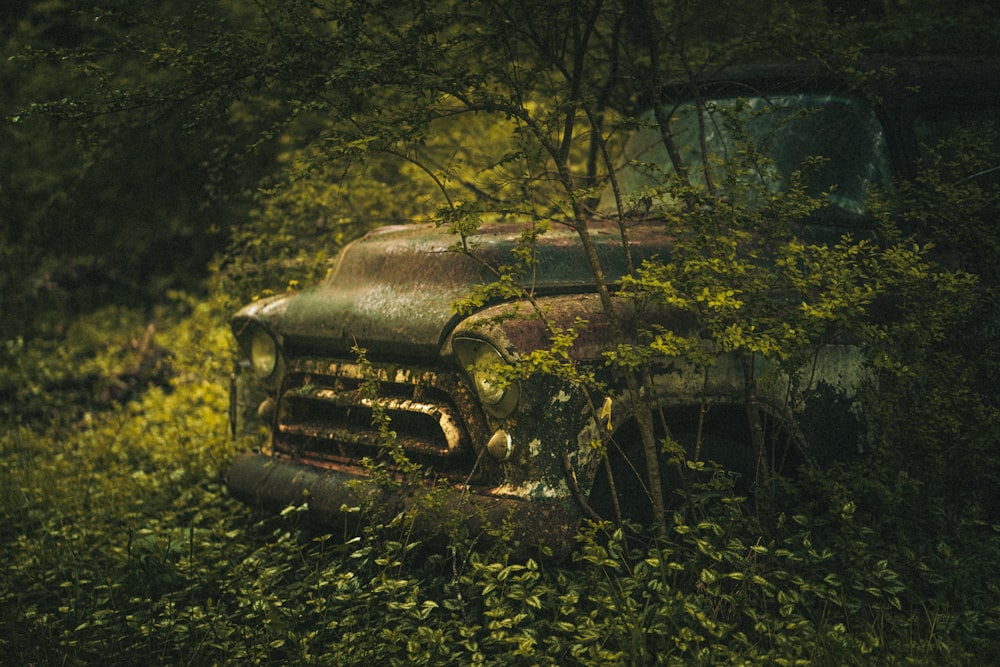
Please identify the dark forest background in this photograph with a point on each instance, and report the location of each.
(143, 147)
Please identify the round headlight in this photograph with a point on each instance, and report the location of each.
(484, 366)
(263, 354)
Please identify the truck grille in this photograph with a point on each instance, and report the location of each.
(325, 415)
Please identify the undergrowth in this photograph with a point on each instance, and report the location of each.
(120, 546)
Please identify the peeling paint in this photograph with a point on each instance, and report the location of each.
(534, 491)
(535, 447)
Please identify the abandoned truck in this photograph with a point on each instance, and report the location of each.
(523, 449)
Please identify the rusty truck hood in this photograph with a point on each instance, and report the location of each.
(394, 289)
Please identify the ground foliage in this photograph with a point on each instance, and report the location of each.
(120, 546)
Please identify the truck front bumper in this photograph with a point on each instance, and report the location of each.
(338, 497)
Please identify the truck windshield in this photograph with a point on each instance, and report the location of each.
(757, 146)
